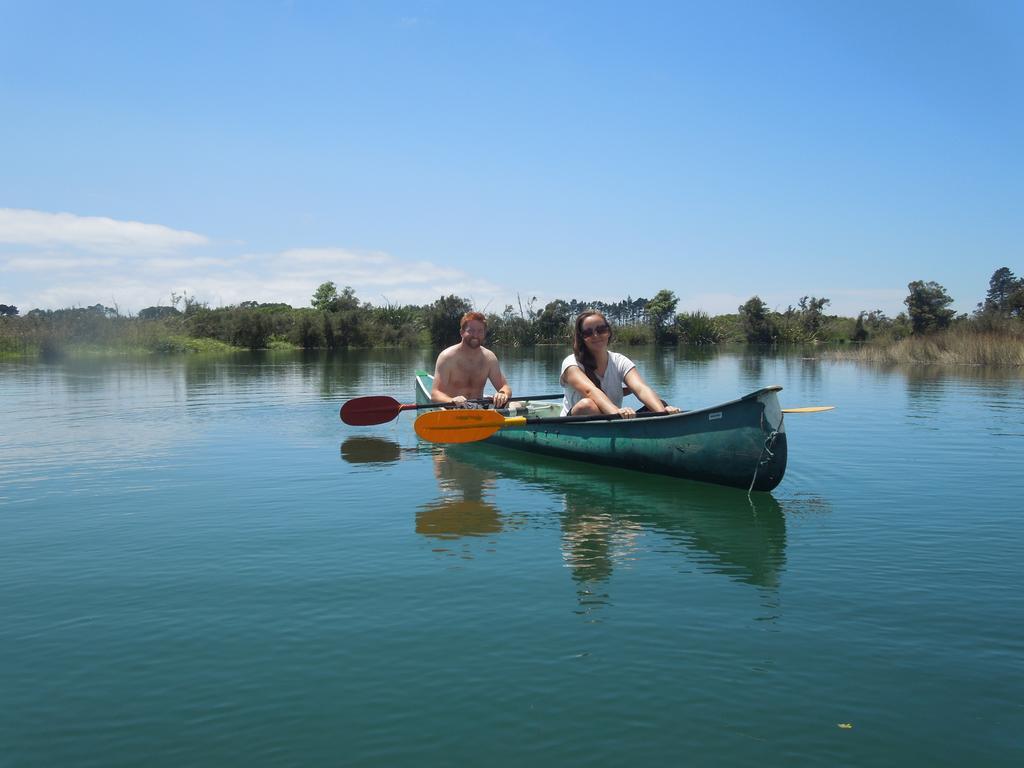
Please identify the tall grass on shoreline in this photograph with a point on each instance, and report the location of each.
(958, 346)
(89, 335)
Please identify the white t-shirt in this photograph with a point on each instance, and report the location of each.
(611, 383)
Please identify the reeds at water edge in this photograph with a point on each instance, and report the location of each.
(957, 346)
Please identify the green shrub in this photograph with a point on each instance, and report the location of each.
(441, 319)
(633, 335)
(698, 328)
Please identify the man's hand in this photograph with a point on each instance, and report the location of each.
(458, 399)
(500, 399)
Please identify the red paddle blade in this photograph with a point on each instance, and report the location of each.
(366, 411)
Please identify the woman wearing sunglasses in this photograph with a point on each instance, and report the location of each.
(593, 376)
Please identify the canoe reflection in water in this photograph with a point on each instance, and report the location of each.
(608, 516)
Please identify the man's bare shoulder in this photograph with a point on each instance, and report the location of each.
(447, 354)
(488, 355)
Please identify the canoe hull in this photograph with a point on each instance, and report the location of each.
(741, 443)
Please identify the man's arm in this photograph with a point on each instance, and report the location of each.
(503, 392)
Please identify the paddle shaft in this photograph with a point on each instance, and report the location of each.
(380, 409)
(487, 399)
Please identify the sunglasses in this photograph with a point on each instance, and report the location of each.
(601, 330)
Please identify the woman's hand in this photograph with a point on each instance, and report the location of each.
(626, 413)
(671, 409)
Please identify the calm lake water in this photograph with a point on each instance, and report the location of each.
(201, 565)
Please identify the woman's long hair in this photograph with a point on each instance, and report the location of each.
(583, 355)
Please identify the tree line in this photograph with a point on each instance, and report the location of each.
(337, 319)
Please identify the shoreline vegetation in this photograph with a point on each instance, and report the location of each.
(927, 333)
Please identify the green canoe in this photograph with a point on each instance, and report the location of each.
(741, 443)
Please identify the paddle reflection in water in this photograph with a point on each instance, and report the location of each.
(609, 515)
(462, 510)
(370, 450)
(465, 508)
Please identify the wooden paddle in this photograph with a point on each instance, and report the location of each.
(470, 426)
(380, 409)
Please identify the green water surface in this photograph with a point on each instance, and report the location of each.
(201, 565)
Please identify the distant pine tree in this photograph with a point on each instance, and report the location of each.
(1002, 288)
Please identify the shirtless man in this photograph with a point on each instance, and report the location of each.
(464, 368)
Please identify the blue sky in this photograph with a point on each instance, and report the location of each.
(590, 150)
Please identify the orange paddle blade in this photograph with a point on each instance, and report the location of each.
(809, 409)
(462, 426)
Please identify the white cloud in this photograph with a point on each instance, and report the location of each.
(64, 260)
(170, 264)
(46, 262)
(332, 256)
(91, 233)
(130, 294)
(220, 282)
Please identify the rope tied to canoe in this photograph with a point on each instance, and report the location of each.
(769, 441)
